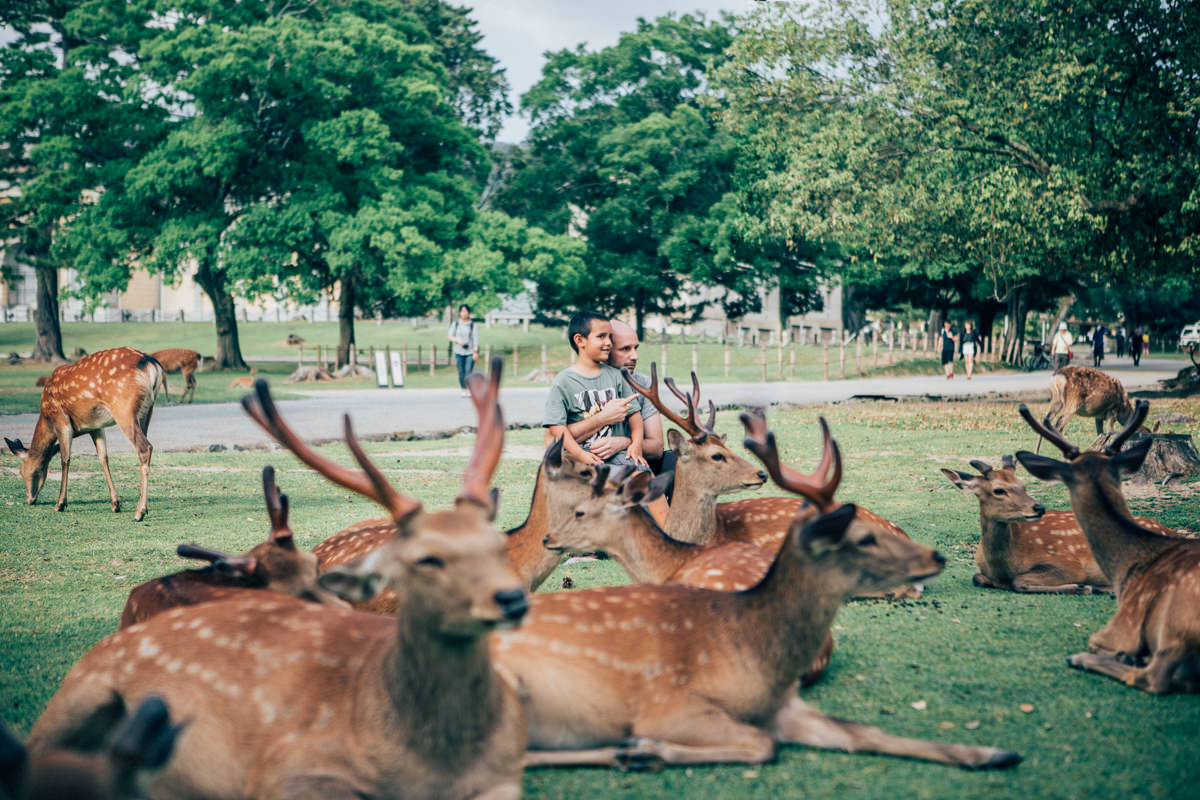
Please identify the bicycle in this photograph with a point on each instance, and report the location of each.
(1037, 359)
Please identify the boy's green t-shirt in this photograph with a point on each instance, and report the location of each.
(574, 397)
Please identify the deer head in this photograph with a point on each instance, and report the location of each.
(1002, 495)
(709, 461)
(451, 563)
(599, 520)
(33, 466)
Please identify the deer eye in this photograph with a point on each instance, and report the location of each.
(718, 457)
(867, 541)
(999, 492)
(578, 515)
(586, 473)
(432, 562)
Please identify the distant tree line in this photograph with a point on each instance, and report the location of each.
(969, 157)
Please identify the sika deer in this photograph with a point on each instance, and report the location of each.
(275, 565)
(561, 483)
(142, 744)
(616, 521)
(1152, 641)
(697, 676)
(1022, 546)
(110, 387)
(1087, 392)
(707, 468)
(296, 700)
(186, 363)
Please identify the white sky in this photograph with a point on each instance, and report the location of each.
(518, 32)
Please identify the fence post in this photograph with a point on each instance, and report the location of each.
(420, 356)
(842, 356)
(858, 355)
(874, 349)
(543, 360)
(695, 360)
(516, 360)
(403, 357)
(663, 365)
(792, 358)
(825, 359)
(764, 361)
(779, 358)
(892, 347)
(300, 355)
(432, 359)
(726, 359)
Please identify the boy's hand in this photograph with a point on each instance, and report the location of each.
(589, 458)
(634, 451)
(608, 446)
(614, 411)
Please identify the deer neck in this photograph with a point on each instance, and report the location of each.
(693, 515)
(40, 445)
(647, 552)
(444, 693)
(523, 544)
(995, 540)
(1117, 541)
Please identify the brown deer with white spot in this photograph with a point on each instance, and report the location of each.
(708, 468)
(615, 520)
(630, 674)
(186, 363)
(133, 750)
(1022, 546)
(274, 565)
(1152, 641)
(111, 387)
(561, 483)
(1087, 392)
(289, 699)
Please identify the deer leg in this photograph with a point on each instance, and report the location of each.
(1048, 581)
(101, 443)
(796, 723)
(637, 754)
(137, 437)
(190, 391)
(703, 733)
(64, 453)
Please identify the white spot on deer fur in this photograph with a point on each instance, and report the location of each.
(148, 649)
(204, 633)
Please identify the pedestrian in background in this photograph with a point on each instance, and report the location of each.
(1098, 345)
(1120, 337)
(1135, 346)
(466, 345)
(1060, 347)
(949, 345)
(970, 346)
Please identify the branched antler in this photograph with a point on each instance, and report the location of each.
(689, 424)
(489, 437)
(1140, 410)
(277, 506)
(1047, 431)
(820, 486)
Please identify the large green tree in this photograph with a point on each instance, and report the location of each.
(1026, 148)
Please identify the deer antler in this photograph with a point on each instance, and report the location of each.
(262, 410)
(1140, 410)
(982, 466)
(599, 481)
(489, 437)
(195, 551)
(689, 424)
(820, 486)
(277, 506)
(1048, 432)
(692, 402)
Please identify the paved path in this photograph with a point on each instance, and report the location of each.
(378, 413)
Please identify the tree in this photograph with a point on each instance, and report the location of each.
(66, 128)
(1035, 147)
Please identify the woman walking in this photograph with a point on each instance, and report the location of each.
(949, 345)
(970, 346)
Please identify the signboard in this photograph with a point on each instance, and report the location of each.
(381, 369)
(397, 371)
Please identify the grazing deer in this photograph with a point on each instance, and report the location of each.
(141, 744)
(698, 676)
(186, 362)
(708, 468)
(617, 521)
(275, 565)
(1024, 547)
(1152, 641)
(291, 699)
(111, 387)
(561, 483)
(1087, 392)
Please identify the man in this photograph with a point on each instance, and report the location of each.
(466, 345)
(1060, 348)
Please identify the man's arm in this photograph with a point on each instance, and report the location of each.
(634, 451)
(652, 436)
(611, 413)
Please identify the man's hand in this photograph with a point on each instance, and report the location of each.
(614, 411)
(608, 446)
(588, 457)
(634, 451)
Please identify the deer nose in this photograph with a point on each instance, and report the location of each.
(939, 559)
(762, 476)
(1039, 509)
(513, 603)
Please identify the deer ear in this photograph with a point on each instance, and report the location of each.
(240, 566)
(147, 740)
(1130, 460)
(16, 448)
(827, 531)
(553, 458)
(1048, 469)
(350, 584)
(675, 440)
(959, 479)
(636, 490)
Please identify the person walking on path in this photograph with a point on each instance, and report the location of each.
(466, 345)
(1135, 347)
(949, 345)
(1120, 338)
(970, 346)
(1060, 347)
(1098, 345)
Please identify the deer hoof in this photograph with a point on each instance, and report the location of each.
(116, 506)
(1083, 588)
(139, 516)
(60, 506)
(1001, 759)
(640, 755)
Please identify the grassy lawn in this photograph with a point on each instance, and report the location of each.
(265, 347)
(973, 656)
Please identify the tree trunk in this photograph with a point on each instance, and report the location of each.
(229, 350)
(346, 321)
(987, 323)
(639, 320)
(1014, 345)
(45, 317)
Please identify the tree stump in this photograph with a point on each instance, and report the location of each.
(1172, 456)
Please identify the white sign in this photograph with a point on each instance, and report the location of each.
(397, 371)
(381, 368)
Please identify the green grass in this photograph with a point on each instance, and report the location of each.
(265, 348)
(972, 655)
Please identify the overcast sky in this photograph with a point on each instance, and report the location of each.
(518, 32)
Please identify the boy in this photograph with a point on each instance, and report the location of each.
(584, 388)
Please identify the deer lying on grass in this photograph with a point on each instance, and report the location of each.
(275, 565)
(141, 744)
(708, 468)
(111, 387)
(186, 363)
(297, 700)
(1022, 546)
(561, 483)
(616, 521)
(1152, 642)
(698, 676)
